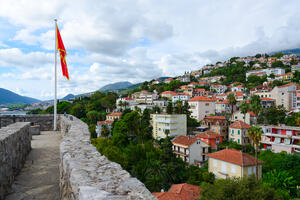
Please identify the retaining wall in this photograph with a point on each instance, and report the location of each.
(45, 121)
(15, 144)
(86, 174)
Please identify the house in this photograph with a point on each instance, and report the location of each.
(168, 94)
(190, 149)
(179, 192)
(180, 97)
(168, 80)
(157, 81)
(201, 107)
(141, 107)
(295, 68)
(193, 84)
(217, 124)
(239, 96)
(161, 103)
(184, 79)
(248, 118)
(238, 132)
(281, 138)
(268, 72)
(262, 91)
(223, 106)
(124, 102)
(113, 116)
(267, 102)
(100, 125)
(296, 99)
(188, 91)
(203, 84)
(283, 77)
(283, 95)
(144, 97)
(238, 88)
(199, 92)
(220, 89)
(230, 163)
(211, 138)
(176, 124)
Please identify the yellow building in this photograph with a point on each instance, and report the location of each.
(238, 132)
(175, 124)
(229, 163)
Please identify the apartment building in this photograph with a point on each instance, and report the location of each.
(238, 132)
(201, 107)
(281, 138)
(296, 99)
(113, 116)
(145, 97)
(283, 95)
(211, 138)
(267, 102)
(223, 106)
(220, 89)
(168, 94)
(190, 149)
(180, 97)
(268, 72)
(248, 118)
(176, 124)
(217, 124)
(230, 163)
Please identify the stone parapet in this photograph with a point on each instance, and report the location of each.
(15, 144)
(45, 121)
(86, 174)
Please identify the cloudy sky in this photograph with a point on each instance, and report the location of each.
(133, 40)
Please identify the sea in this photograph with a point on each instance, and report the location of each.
(13, 112)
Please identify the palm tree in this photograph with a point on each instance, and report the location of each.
(232, 101)
(105, 131)
(255, 105)
(255, 133)
(125, 104)
(244, 107)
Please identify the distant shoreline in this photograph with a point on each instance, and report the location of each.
(13, 113)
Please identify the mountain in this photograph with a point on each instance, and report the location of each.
(10, 98)
(116, 86)
(291, 51)
(69, 96)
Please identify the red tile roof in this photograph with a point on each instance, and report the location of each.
(115, 114)
(208, 135)
(184, 140)
(214, 117)
(201, 98)
(234, 156)
(267, 99)
(179, 192)
(169, 92)
(239, 124)
(287, 85)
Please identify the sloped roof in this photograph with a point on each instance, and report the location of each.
(169, 92)
(234, 156)
(115, 114)
(208, 135)
(201, 98)
(239, 124)
(184, 140)
(179, 192)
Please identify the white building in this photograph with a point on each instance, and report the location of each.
(176, 124)
(238, 88)
(145, 97)
(283, 95)
(201, 106)
(180, 97)
(220, 89)
(191, 149)
(268, 72)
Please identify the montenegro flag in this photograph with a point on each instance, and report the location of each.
(62, 53)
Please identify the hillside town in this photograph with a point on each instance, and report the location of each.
(259, 107)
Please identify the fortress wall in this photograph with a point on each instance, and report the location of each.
(15, 144)
(86, 174)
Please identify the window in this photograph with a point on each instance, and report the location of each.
(238, 141)
(207, 111)
(232, 132)
(215, 163)
(207, 104)
(282, 93)
(233, 169)
(239, 132)
(224, 167)
(249, 170)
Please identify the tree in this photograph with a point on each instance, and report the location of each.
(78, 111)
(178, 109)
(255, 133)
(156, 110)
(272, 115)
(244, 107)
(93, 116)
(255, 105)
(232, 101)
(105, 131)
(170, 108)
(277, 64)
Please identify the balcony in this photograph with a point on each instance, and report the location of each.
(282, 136)
(181, 153)
(281, 144)
(169, 121)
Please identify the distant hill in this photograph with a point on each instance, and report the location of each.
(116, 86)
(10, 98)
(69, 96)
(291, 51)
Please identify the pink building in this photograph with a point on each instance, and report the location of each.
(281, 138)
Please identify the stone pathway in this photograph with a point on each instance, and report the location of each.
(39, 179)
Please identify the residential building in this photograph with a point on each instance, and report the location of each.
(145, 97)
(238, 88)
(268, 72)
(283, 95)
(220, 89)
(230, 163)
(180, 97)
(296, 99)
(201, 107)
(168, 80)
(161, 103)
(199, 92)
(193, 84)
(157, 81)
(179, 192)
(262, 91)
(248, 118)
(176, 124)
(168, 94)
(190, 149)
(184, 78)
(126, 102)
(203, 84)
(281, 138)
(223, 106)
(239, 96)
(217, 124)
(100, 125)
(113, 116)
(142, 106)
(238, 132)
(188, 91)
(295, 68)
(211, 138)
(267, 102)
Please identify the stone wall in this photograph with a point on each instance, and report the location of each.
(45, 121)
(15, 144)
(86, 174)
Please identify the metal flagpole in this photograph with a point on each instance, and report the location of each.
(55, 77)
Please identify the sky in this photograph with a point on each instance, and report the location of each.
(133, 40)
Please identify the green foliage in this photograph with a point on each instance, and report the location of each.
(278, 55)
(238, 189)
(255, 104)
(272, 115)
(92, 129)
(292, 119)
(170, 108)
(94, 116)
(35, 111)
(78, 111)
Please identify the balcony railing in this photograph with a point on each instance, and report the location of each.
(282, 136)
(181, 153)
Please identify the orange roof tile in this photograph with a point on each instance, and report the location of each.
(184, 140)
(287, 85)
(179, 192)
(234, 156)
(215, 117)
(201, 98)
(239, 124)
(267, 99)
(115, 114)
(208, 135)
(169, 92)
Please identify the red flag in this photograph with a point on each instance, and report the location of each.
(62, 53)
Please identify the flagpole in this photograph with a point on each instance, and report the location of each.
(55, 77)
